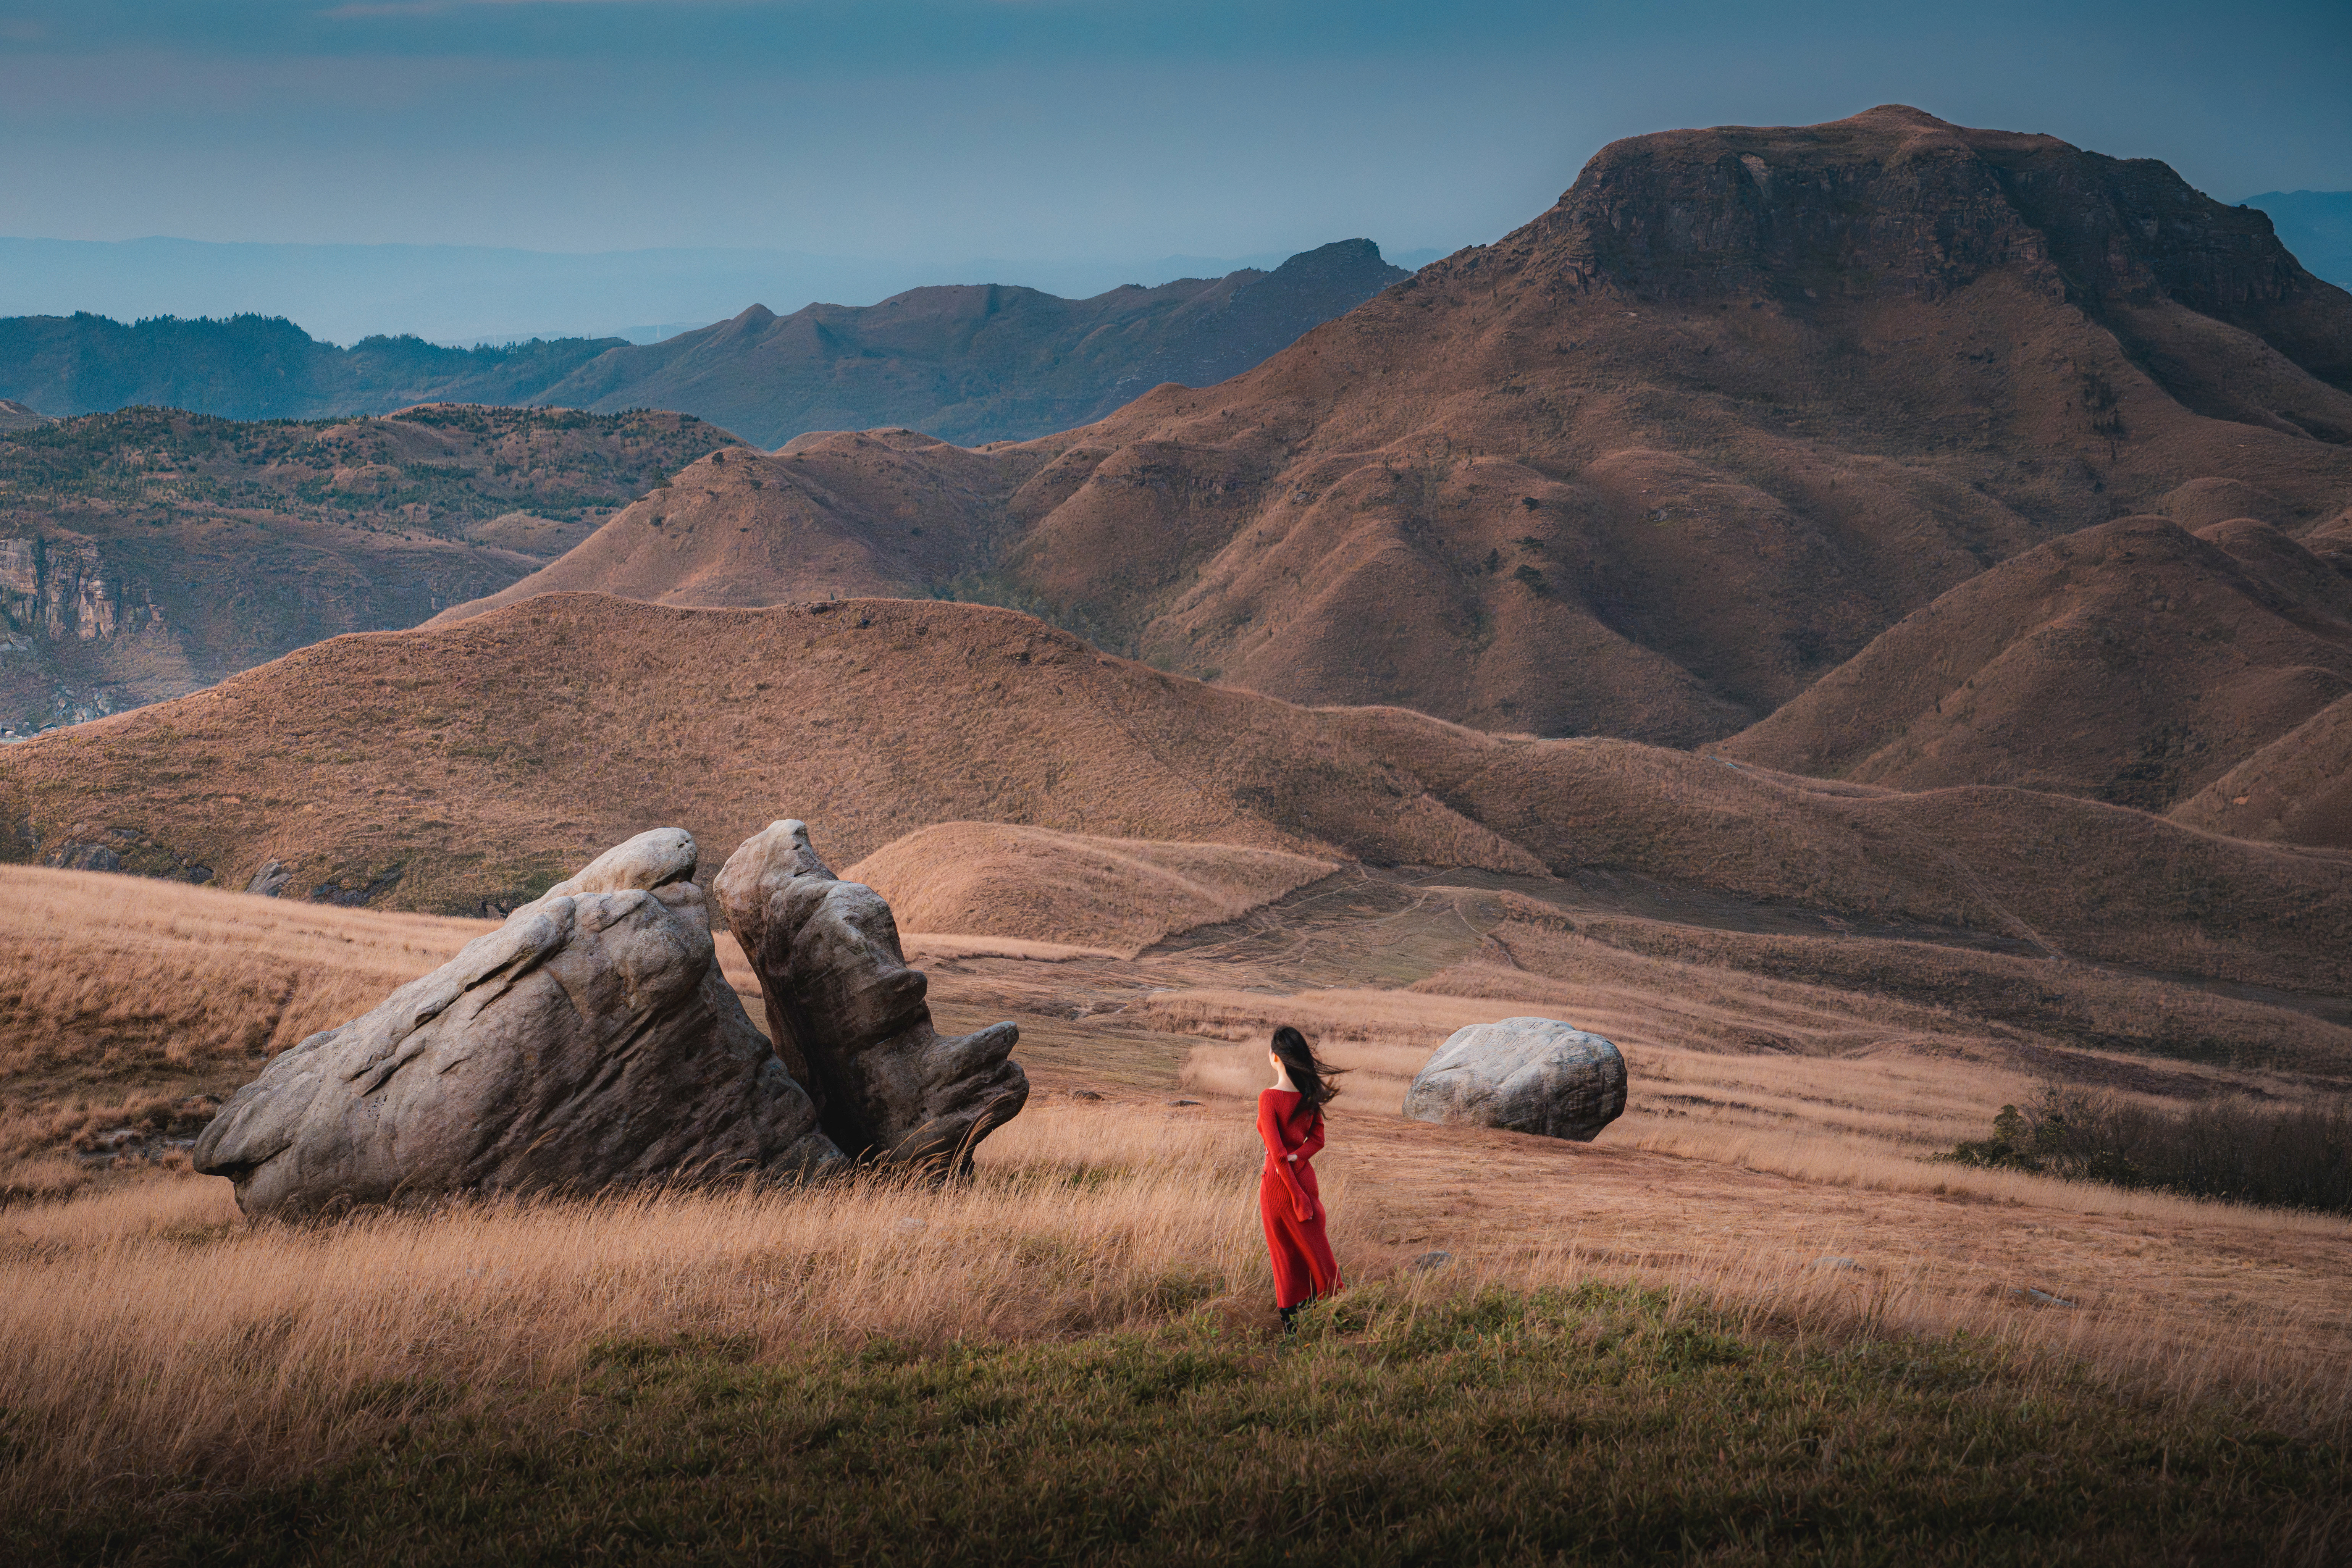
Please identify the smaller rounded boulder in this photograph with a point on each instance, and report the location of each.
(1524, 1074)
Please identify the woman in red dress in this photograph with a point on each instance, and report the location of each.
(1290, 1121)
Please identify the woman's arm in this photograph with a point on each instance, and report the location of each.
(1313, 1145)
(1269, 1128)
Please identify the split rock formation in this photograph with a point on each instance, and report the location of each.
(589, 1042)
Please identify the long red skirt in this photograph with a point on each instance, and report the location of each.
(1304, 1268)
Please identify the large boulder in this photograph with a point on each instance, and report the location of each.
(849, 1018)
(589, 1042)
(1526, 1074)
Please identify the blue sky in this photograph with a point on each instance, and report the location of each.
(922, 130)
(1051, 127)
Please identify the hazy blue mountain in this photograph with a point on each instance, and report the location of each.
(968, 362)
(472, 294)
(977, 363)
(2316, 225)
(259, 367)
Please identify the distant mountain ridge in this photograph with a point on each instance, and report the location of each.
(980, 363)
(260, 367)
(969, 363)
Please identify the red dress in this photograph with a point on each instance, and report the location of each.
(1289, 1204)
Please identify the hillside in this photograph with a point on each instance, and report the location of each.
(1650, 466)
(972, 362)
(2298, 788)
(465, 768)
(2133, 662)
(1123, 894)
(147, 552)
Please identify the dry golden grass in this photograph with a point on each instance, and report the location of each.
(149, 1338)
(121, 997)
(1124, 894)
(148, 1329)
(1827, 995)
(149, 1332)
(1873, 1121)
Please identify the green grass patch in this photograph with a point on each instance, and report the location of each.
(1596, 1425)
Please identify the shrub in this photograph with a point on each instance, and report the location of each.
(2285, 1157)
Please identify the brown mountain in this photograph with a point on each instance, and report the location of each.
(147, 552)
(2134, 662)
(1649, 466)
(448, 768)
(888, 513)
(978, 362)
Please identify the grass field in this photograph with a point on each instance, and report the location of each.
(1070, 1360)
(1753, 1323)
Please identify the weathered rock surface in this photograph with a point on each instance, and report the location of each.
(590, 1041)
(1525, 1075)
(849, 1018)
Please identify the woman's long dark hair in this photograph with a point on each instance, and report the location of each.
(1316, 1081)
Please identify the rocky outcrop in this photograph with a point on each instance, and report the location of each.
(849, 1016)
(93, 847)
(590, 1041)
(60, 589)
(1524, 1074)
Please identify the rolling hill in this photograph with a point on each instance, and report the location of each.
(1649, 466)
(147, 552)
(2134, 662)
(465, 768)
(2298, 788)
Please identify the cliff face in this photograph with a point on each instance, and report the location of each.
(59, 588)
(1896, 204)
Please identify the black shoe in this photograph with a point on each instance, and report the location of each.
(1289, 1319)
